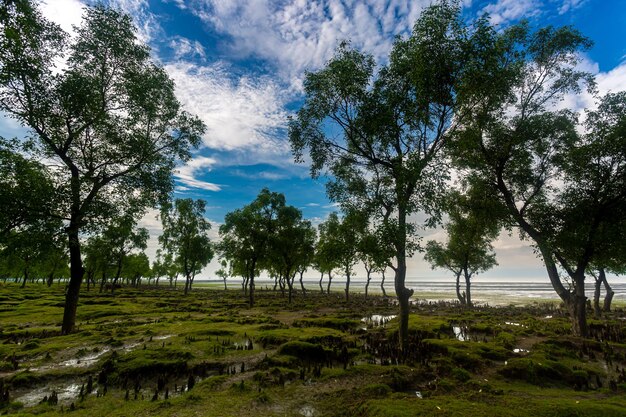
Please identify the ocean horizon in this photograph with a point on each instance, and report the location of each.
(486, 288)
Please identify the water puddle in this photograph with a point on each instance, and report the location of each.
(521, 351)
(82, 362)
(66, 392)
(307, 411)
(461, 333)
(512, 323)
(377, 320)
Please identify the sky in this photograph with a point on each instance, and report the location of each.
(239, 66)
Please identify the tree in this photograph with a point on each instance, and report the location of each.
(246, 234)
(327, 259)
(563, 189)
(136, 267)
(119, 239)
(374, 255)
(26, 190)
(291, 244)
(33, 247)
(109, 117)
(472, 226)
(379, 136)
(223, 272)
(185, 237)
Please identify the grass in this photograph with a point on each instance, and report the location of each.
(312, 357)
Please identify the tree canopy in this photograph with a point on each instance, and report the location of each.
(104, 112)
(378, 134)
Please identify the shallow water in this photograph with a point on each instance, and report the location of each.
(377, 320)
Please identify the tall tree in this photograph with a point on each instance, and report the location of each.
(246, 234)
(108, 117)
(563, 189)
(379, 136)
(185, 237)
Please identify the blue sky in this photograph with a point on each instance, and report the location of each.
(239, 65)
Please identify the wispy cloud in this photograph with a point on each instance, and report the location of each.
(240, 113)
(505, 11)
(297, 35)
(147, 23)
(186, 48)
(263, 175)
(571, 5)
(186, 174)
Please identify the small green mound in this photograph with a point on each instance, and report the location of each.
(304, 351)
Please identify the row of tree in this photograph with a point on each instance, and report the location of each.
(455, 94)
(488, 103)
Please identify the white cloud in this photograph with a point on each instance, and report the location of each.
(65, 13)
(505, 11)
(187, 174)
(298, 34)
(263, 175)
(239, 114)
(185, 48)
(571, 5)
(147, 23)
(613, 80)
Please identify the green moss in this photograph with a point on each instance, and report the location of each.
(304, 351)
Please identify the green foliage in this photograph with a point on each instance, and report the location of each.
(307, 352)
(266, 234)
(185, 237)
(379, 136)
(109, 119)
(472, 225)
(561, 188)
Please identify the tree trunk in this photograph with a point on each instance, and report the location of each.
(275, 282)
(597, 312)
(282, 284)
(302, 284)
(118, 273)
(577, 307)
(330, 279)
(468, 292)
(382, 283)
(76, 277)
(186, 289)
(459, 295)
(251, 291)
(103, 281)
(403, 293)
(25, 277)
(575, 301)
(290, 285)
(251, 283)
(369, 278)
(225, 287)
(347, 284)
(608, 297)
(321, 279)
